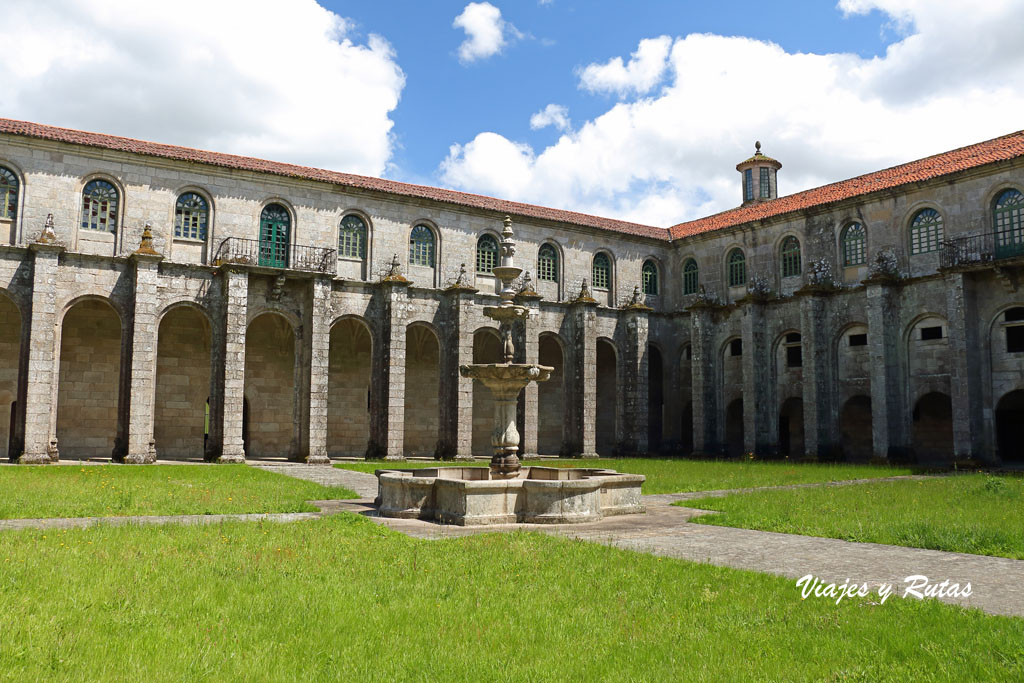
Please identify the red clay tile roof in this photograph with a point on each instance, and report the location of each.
(1000, 149)
(77, 137)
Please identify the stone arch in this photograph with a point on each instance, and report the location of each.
(487, 348)
(607, 408)
(655, 397)
(1010, 426)
(551, 396)
(183, 380)
(270, 386)
(932, 427)
(10, 358)
(88, 390)
(927, 354)
(348, 387)
(422, 387)
(791, 428)
(855, 435)
(852, 353)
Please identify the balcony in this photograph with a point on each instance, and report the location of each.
(276, 255)
(981, 249)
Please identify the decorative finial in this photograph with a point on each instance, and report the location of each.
(146, 244)
(508, 226)
(757, 147)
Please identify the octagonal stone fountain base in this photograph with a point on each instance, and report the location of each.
(538, 495)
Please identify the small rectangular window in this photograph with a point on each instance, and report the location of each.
(793, 338)
(748, 184)
(766, 190)
(794, 356)
(859, 339)
(931, 333)
(1015, 339)
(736, 347)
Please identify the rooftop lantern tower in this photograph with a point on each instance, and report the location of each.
(758, 173)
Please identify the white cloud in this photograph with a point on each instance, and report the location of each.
(486, 32)
(552, 115)
(645, 70)
(951, 79)
(242, 76)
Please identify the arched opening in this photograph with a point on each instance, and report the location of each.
(550, 398)
(607, 399)
(686, 430)
(1010, 426)
(655, 398)
(10, 353)
(422, 385)
(791, 428)
(933, 427)
(90, 370)
(855, 437)
(486, 349)
(270, 387)
(182, 384)
(734, 428)
(348, 389)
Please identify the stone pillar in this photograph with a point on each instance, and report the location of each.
(230, 374)
(387, 397)
(456, 390)
(760, 410)
(965, 369)
(703, 366)
(820, 417)
(582, 364)
(527, 344)
(315, 361)
(139, 394)
(43, 358)
(635, 380)
(672, 392)
(890, 431)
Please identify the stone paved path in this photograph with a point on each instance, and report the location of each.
(362, 483)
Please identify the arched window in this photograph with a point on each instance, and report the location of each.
(649, 277)
(602, 271)
(486, 254)
(690, 274)
(737, 268)
(190, 216)
(790, 254)
(1008, 219)
(547, 263)
(926, 231)
(275, 236)
(854, 244)
(352, 237)
(99, 206)
(421, 246)
(8, 194)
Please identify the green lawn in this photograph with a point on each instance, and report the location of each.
(675, 475)
(973, 513)
(106, 490)
(343, 599)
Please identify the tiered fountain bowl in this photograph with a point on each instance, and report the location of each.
(506, 492)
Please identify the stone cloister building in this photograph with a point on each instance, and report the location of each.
(158, 301)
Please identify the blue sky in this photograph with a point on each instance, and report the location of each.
(633, 110)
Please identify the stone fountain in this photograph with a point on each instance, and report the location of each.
(506, 492)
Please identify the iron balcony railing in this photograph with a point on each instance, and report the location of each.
(979, 249)
(276, 255)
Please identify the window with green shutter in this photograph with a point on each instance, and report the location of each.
(602, 271)
(737, 268)
(690, 274)
(1008, 219)
(547, 263)
(8, 194)
(99, 206)
(275, 236)
(649, 277)
(191, 213)
(766, 187)
(790, 254)
(486, 254)
(854, 243)
(352, 237)
(421, 246)
(926, 231)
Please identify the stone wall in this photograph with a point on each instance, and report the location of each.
(422, 382)
(551, 398)
(182, 384)
(10, 352)
(270, 387)
(348, 414)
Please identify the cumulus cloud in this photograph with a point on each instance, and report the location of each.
(240, 76)
(487, 33)
(552, 115)
(645, 70)
(951, 78)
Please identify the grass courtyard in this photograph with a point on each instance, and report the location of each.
(676, 475)
(341, 597)
(970, 513)
(114, 490)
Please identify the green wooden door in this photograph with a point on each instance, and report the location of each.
(275, 225)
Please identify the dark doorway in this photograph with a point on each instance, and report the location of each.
(1010, 427)
(933, 428)
(855, 429)
(734, 429)
(655, 398)
(791, 428)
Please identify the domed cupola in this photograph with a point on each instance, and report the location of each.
(758, 174)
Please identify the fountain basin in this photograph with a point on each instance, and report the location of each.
(468, 496)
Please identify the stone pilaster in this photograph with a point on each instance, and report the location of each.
(760, 410)
(965, 368)
(43, 359)
(315, 361)
(820, 416)
(635, 381)
(141, 360)
(890, 428)
(387, 406)
(456, 390)
(582, 399)
(703, 364)
(230, 376)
